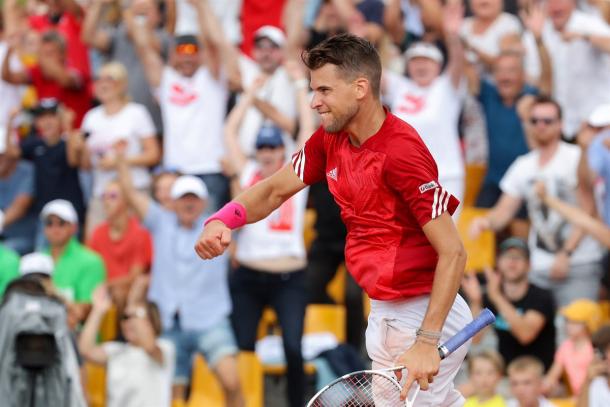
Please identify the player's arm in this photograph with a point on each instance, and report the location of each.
(422, 359)
(250, 206)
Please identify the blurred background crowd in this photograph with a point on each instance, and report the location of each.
(125, 123)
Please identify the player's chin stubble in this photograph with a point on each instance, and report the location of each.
(338, 123)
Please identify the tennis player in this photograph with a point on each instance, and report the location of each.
(402, 246)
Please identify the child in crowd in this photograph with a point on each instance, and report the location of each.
(525, 375)
(583, 318)
(486, 369)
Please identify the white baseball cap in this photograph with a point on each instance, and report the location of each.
(424, 50)
(36, 263)
(188, 184)
(60, 208)
(272, 33)
(600, 116)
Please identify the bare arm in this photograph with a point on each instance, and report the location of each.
(534, 17)
(393, 21)
(296, 33)
(231, 130)
(150, 155)
(280, 119)
(87, 341)
(498, 217)
(552, 377)
(75, 146)
(90, 34)
(453, 14)
(138, 201)
(431, 14)
(149, 57)
(10, 76)
(12, 149)
(17, 209)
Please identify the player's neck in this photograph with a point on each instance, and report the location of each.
(366, 123)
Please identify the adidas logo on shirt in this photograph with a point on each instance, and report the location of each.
(332, 174)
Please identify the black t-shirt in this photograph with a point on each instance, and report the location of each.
(54, 178)
(543, 347)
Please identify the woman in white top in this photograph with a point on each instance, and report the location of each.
(485, 31)
(139, 371)
(117, 121)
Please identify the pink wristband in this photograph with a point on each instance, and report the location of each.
(232, 214)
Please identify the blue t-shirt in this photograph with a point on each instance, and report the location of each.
(19, 235)
(54, 178)
(505, 133)
(598, 156)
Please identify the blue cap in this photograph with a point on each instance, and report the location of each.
(269, 136)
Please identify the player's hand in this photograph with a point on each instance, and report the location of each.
(214, 240)
(422, 362)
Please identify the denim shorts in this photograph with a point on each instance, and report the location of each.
(213, 343)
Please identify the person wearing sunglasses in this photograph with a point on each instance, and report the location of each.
(563, 259)
(192, 91)
(78, 270)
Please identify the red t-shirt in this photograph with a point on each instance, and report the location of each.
(69, 26)
(387, 190)
(77, 100)
(255, 14)
(134, 248)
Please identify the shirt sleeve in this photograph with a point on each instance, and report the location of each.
(112, 348)
(595, 156)
(512, 181)
(310, 162)
(154, 217)
(26, 180)
(93, 274)
(412, 173)
(145, 127)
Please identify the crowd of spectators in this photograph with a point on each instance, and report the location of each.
(125, 123)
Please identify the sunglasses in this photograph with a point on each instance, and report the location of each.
(187, 49)
(50, 222)
(546, 120)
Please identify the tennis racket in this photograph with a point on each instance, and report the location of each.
(379, 388)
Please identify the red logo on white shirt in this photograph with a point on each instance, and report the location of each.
(181, 96)
(412, 104)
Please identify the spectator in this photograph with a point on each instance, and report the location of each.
(11, 94)
(9, 267)
(117, 121)
(277, 92)
(162, 186)
(500, 99)
(485, 31)
(596, 388)
(193, 296)
(562, 259)
(486, 370)
(425, 90)
(117, 45)
(575, 354)
(525, 312)
(125, 246)
(56, 154)
(78, 270)
(52, 77)
(193, 94)
(270, 257)
(525, 378)
(408, 20)
(17, 224)
(578, 44)
(138, 371)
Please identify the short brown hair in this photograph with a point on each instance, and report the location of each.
(523, 363)
(352, 55)
(601, 338)
(491, 356)
(545, 100)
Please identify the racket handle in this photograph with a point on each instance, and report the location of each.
(486, 317)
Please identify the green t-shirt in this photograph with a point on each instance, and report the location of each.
(78, 271)
(9, 267)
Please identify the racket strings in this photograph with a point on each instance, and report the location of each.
(364, 389)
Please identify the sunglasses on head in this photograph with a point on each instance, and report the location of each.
(546, 120)
(58, 222)
(187, 49)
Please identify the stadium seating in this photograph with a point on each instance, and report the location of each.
(481, 251)
(475, 173)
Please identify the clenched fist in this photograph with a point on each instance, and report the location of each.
(214, 240)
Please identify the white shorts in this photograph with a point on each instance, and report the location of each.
(391, 331)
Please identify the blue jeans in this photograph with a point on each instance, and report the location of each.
(286, 293)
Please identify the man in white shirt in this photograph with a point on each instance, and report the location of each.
(276, 95)
(578, 45)
(193, 92)
(563, 259)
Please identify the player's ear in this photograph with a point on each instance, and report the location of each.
(362, 87)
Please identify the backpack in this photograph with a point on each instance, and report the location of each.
(57, 383)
